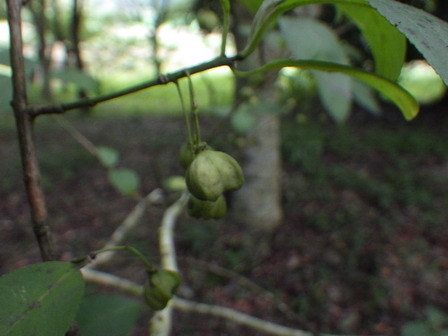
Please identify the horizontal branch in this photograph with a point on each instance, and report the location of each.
(106, 279)
(36, 110)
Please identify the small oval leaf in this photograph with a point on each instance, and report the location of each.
(108, 156)
(126, 181)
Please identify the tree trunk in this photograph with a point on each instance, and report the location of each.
(258, 203)
(37, 9)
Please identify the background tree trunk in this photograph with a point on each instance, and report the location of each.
(258, 203)
(37, 9)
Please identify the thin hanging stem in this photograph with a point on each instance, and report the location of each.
(187, 118)
(144, 260)
(225, 4)
(194, 113)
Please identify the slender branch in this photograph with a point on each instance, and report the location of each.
(225, 4)
(78, 136)
(238, 317)
(161, 80)
(186, 115)
(110, 280)
(24, 126)
(166, 233)
(194, 118)
(161, 322)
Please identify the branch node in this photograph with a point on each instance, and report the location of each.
(164, 79)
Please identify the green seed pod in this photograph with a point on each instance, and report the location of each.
(211, 173)
(160, 287)
(206, 209)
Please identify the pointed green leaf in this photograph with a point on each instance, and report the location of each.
(108, 315)
(125, 180)
(365, 97)
(428, 33)
(407, 104)
(388, 45)
(108, 156)
(271, 9)
(40, 299)
(335, 94)
(308, 38)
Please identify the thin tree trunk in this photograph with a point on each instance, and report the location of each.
(161, 7)
(76, 39)
(37, 9)
(24, 124)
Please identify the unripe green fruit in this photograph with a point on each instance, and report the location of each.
(160, 287)
(206, 209)
(211, 173)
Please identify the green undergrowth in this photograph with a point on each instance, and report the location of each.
(386, 165)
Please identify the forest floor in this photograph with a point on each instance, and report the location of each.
(363, 248)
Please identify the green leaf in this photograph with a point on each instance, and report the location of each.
(253, 5)
(365, 97)
(108, 315)
(126, 181)
(335, 93)
(108, 156)
(388, 45)
(40, 299)
(428, 33)
(308, 38)
(407, 104)
(271, 9)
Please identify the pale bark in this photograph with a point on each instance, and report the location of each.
(258, 203)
